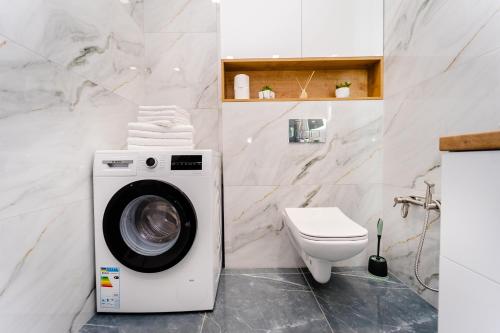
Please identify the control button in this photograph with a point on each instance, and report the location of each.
(151, 162)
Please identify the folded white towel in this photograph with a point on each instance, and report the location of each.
(153, 118)
(164, 121)
(159, 142)
(134, 147)
(160, 126)
(158, 107)
(170, 123)
(160, 135)
(173, 113)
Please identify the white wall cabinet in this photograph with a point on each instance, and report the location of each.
(469, 298)
(342, 28)
(260, 28)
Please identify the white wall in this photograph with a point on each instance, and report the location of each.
(442, 70)
(182, 62)
(66, 89)
(71, 77)
(263, 174)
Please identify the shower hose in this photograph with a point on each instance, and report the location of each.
(421, 245)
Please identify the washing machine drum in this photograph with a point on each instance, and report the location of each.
(149, 225)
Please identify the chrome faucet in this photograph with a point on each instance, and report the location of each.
(427, 202)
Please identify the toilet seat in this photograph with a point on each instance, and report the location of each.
(324, 224)
(323, 236)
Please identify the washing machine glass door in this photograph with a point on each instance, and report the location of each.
(149, 225)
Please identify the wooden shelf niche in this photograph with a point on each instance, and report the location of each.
(365, 74)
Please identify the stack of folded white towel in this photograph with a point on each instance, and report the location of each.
(160, 127)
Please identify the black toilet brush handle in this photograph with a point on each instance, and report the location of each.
(380, 226)
(378, 245)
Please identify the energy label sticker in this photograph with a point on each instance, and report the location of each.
(110, 287)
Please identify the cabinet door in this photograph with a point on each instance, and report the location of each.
(470, 224)
(260, 28)
(468, 302)
(342, 28)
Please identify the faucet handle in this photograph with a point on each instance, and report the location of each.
(429, 184)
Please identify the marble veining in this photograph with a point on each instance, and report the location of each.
(178, 72)
(257, 152)
(439, 86)
(45, 105)
(99, 40)
(38, 293)
(288, 300)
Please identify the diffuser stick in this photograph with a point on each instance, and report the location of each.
(309, 80)
(299, 84)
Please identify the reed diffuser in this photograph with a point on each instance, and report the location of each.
(303, 92)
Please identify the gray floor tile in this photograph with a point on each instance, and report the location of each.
(145, 323)
(261, 271)
(355, 301)
(269, 302)
(88, 328)
(281, 300)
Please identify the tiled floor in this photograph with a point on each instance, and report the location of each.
(289, 300)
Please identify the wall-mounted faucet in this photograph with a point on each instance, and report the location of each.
(427, 202)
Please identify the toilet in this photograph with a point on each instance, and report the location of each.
(322, 236)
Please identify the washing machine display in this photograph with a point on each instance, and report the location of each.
(149, 225)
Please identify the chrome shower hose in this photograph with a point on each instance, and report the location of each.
(421, 245)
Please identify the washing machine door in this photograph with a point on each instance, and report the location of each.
(149, 225)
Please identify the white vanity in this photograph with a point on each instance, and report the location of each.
(469, 297)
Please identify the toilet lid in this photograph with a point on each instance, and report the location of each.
(324, 222)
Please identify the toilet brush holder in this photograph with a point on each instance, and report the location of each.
(377, 265)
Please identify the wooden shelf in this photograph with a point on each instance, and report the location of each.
(299, 99)
(471, 142)
(365, 74)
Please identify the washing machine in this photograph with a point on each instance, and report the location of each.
(157, 230)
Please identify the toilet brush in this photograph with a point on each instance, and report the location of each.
(377, 265)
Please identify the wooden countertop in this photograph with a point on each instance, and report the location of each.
(471, 142)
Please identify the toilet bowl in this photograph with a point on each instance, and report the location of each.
(322, 236)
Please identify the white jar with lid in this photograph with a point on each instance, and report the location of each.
(241, 86)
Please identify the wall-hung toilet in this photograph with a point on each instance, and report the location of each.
(322, 236)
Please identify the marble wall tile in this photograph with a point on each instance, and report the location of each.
(206, 124)
(51, 122)
(255, 235)
(426, 38)
(98, 39)
(135, 8)
(180, 16)
(71, 78)
(257, 152)
(181, 58)
(182, 69)
(442, 76)
(46, 282)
